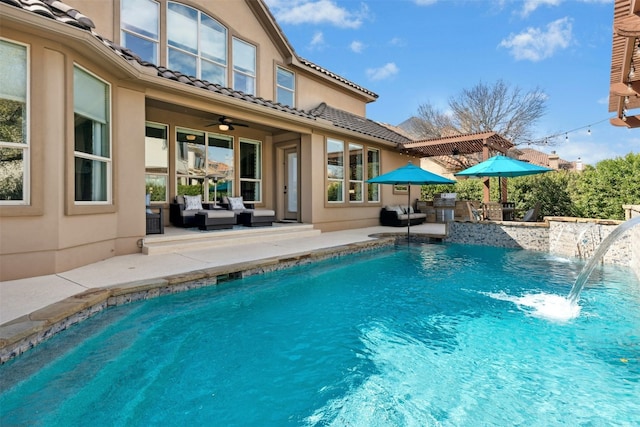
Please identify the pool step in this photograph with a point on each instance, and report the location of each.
(175, 240)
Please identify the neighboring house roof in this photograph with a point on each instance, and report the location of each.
(355, 123)
(64, 13)
(542, 159)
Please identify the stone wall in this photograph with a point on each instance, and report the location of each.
(508, 234)
(577, 237)
(570, 237)
(633, 211)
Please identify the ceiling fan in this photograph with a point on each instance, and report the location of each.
(225, 123)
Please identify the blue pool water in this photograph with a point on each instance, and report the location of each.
(427, 335)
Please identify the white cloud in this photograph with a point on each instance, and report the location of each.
(532, 5)
(298, 12)
(317, 41)
(356, 46)
(397, 41)
(388, 70)
(536, 44)
(425, 2)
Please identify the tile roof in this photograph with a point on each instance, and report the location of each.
(542, 159)
(355, 123)
(55, 10)
(337, 77)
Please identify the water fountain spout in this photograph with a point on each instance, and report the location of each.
(604, 246)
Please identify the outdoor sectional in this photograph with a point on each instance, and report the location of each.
(398, 216)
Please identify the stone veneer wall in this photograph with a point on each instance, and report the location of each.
(571, 237)
(525, 235)
(633, 211)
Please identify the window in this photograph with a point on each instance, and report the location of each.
(220, 166)
(356, 182)
(285, 87)
(140, 28)
(251, 170)
(373, 170)
(92, 142)
(14, 141)
(204, 160)
(191, 162)
(244, 66)
(335, 170)
(156, 154)
(197, 44)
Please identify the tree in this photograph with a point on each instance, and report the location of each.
(602, 190)
(500, 108)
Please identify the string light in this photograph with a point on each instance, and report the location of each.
(548, 140)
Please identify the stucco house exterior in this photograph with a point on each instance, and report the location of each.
(102, 102)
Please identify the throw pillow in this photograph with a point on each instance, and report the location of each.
(193, 203)
(236, 203)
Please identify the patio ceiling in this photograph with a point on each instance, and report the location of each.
(459, 144)
(624, 92)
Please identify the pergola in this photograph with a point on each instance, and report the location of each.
(487, 143)
(624, 91)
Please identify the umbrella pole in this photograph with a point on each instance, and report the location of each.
(408, 213)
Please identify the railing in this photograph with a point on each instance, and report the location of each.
(631, 211)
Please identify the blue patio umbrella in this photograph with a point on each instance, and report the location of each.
(502, 167)
(407, 175)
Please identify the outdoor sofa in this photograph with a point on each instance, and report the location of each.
(399, 216)
(189, 211)
(247, 214)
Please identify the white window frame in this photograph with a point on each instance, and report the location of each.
(151, 175)
(124, 31)
(26, 145)
(108, 161)
(199, 56)
(335, 180)
(291, 90)
(246, 73)
(257, 180)
(371, 175)
(359, 183)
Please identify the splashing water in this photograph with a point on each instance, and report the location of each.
(543, 305)
(574, 294)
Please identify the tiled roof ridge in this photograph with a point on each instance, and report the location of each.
(336, 77)
(353, 122)
(56, 10)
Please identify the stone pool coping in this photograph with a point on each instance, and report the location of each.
(24, 333)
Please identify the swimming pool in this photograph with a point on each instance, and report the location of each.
(432, 334)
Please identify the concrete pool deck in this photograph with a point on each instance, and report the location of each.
(33, 305)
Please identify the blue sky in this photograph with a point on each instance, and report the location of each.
(412, 52)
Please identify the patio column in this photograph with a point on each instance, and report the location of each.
(486, 194)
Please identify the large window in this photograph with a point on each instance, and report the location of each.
(197, 44)
(373, 170)
(285, 87)
(141, 28)
(14, 141)
(92, 142)
(350, 176)
(335, 170)
(204, 164)
(251, 170)
(156, 154)
(244, 66)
